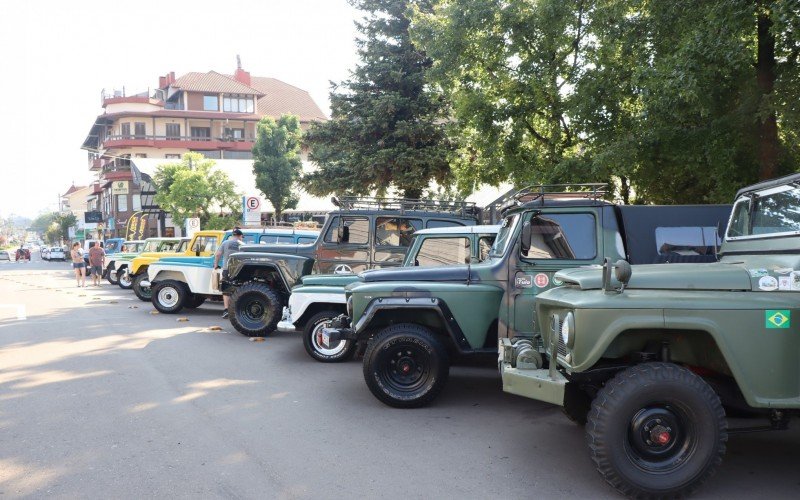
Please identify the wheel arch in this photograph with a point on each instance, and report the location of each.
(317, 307)
(169, 275)
(268, 272)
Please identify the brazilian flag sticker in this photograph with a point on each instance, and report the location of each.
(777, 318)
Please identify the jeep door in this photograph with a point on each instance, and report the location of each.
(344, 248)
(393, 237)
(551, 240)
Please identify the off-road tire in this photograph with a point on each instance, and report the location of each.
(255, 309)
(122, 282)
(194, 301)
(637, 405)
(169, 296)
(143, 293)
(576, 404)
(343, 351)
(111, 276)
(406, 366)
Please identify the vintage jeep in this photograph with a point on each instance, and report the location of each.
(651, 360)
(117, 264)
(413, 321)
(321, 298)
(364, 233)
(186, 281)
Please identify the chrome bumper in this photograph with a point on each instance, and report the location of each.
(286, 324)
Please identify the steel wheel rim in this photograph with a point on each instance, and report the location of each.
(406, 367)
(125, 279)
(661, 437)
(316, 341)
(168, 297)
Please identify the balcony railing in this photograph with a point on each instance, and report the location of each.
(223, 138)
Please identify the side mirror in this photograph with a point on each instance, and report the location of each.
(622, 271)
(416, 262)
(197, 252)
(525, 244)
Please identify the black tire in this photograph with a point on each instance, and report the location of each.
(169, 296)
(255, 309)
(342, 351)
(111, 276)
(124, 279)
(651, 402)
(194, 301)
(576, 404)
(142, 292)
(406, 366)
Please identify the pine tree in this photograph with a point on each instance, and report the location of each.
(387, 127)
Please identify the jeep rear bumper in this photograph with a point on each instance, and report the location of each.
(531, 383)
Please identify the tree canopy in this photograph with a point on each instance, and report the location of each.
(277, 164)
(193, 188)
(386, 128)
(677, 102)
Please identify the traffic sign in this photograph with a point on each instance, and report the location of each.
(253, 203)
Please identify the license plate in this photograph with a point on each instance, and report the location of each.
(326, 340)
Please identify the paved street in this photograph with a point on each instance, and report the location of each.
(101, 398)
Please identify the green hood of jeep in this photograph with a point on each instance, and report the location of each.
(341, 280)
(714, 276)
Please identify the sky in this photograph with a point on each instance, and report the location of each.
(57, 56)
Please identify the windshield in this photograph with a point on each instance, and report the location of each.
(771, 212)
(150, 246)
(504, 236)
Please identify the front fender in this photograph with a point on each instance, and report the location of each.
(244, 266)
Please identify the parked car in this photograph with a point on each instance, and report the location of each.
(44, 253)
(652, 357)
(364, 233)
(116, 271)
(4, 255)
(320, 298)
(56, 253)
(179, 282)
(411, 322)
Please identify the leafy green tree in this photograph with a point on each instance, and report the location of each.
(387, 126)
(63, 222)
(52, 234)
(193, 188)
(42, 222)
(276, 161)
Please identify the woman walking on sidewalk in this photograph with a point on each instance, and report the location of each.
(78, 264)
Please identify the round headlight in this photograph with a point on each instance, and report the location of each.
(568, 330)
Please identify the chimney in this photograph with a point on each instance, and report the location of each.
(241, 75)
(162, 82)
(171, 78)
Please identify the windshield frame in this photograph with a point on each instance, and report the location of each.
(752, 198)
(508, 226)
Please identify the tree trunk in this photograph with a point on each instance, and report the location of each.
(768, 144)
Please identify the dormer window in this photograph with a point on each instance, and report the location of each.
(238, 103)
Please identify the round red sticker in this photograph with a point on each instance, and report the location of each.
(541, 280)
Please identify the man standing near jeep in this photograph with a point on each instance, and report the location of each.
(97, 258)
(223, 252)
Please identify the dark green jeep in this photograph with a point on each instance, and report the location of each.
(651, 357)
(413, 321)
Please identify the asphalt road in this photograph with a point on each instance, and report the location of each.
(99, 398)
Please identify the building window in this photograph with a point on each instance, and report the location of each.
(125, 130)
(238, 103)
(201, 133)
(140, 155)
(238, 155)
(210, 103)
(136, 202)
(122, 203)
(173, 130)
(139, 130)
(172, 157)
(215, 155)
(236, 134)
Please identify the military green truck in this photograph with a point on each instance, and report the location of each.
(650, 358)
(413, 321)
(363, 233)
(320, 298)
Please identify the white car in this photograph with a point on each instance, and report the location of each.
(4, 255)
(45, 253)
(56, 253)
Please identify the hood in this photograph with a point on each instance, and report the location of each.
(714, 276)
(448, 273)
(286, 249)
(328, 279)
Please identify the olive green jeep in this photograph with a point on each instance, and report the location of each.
(651, 358)
(412, 322)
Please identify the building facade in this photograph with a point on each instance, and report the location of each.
(210, 113)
